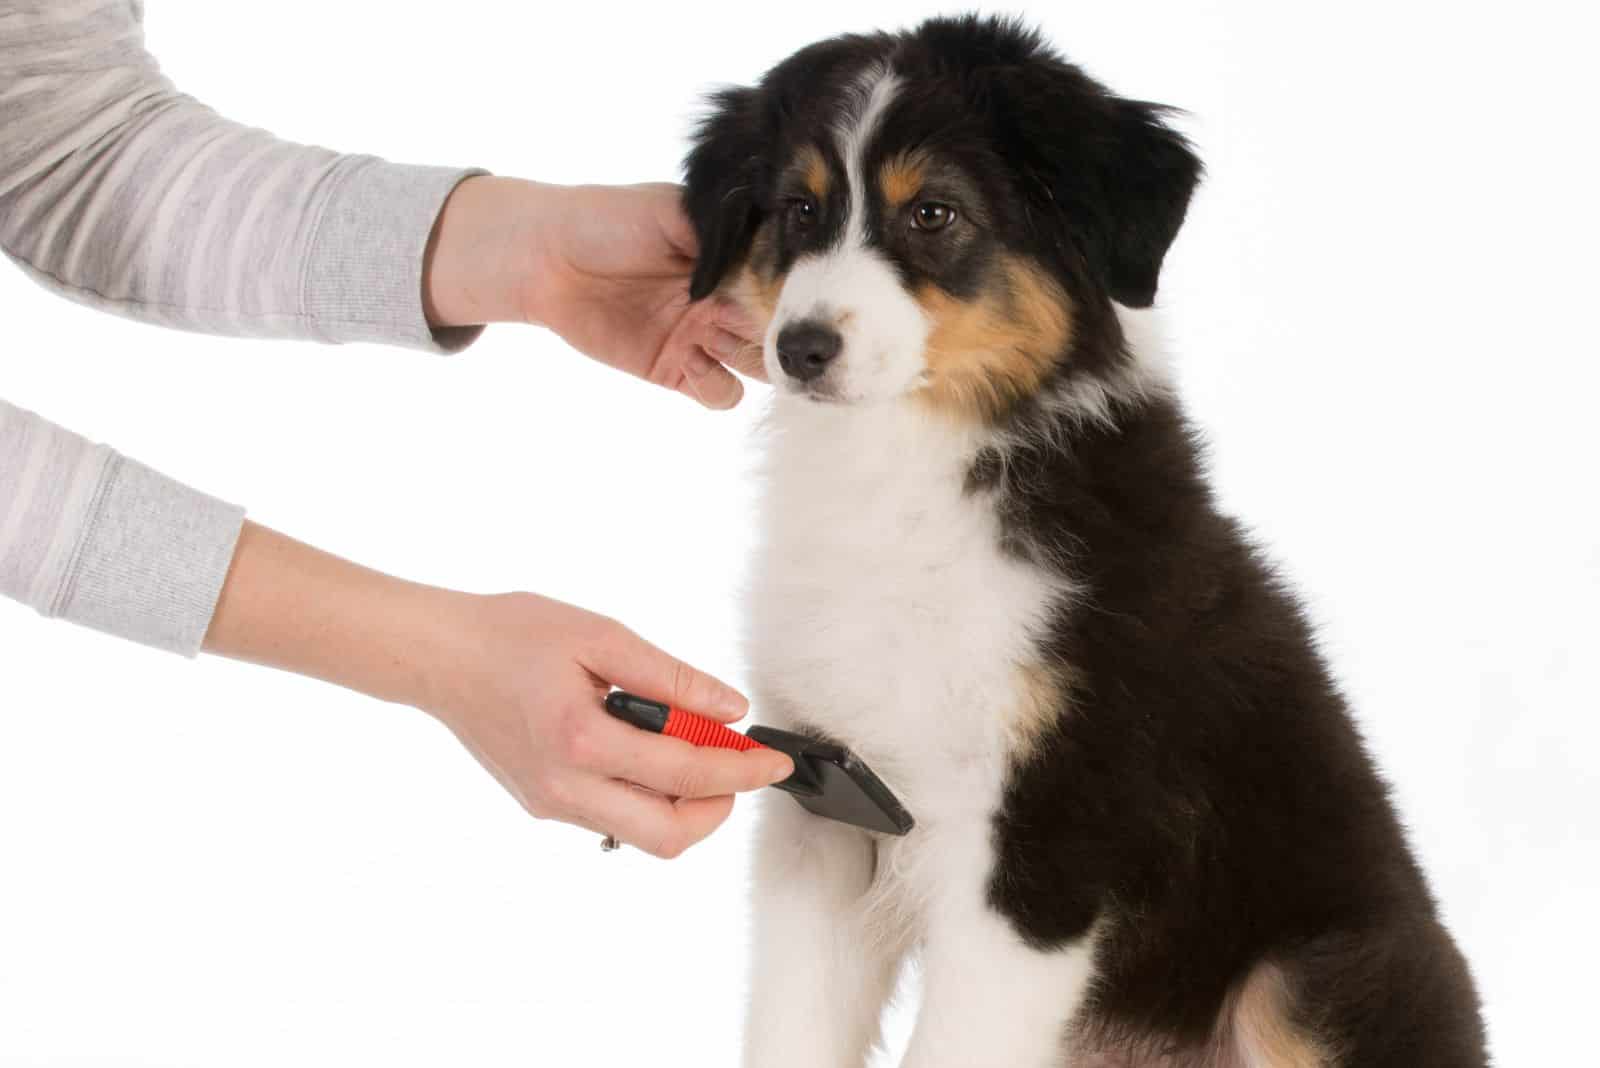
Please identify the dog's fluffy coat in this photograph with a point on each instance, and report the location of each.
(1148, 832)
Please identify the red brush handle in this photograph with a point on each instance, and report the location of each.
(698, 730)
(662, 719)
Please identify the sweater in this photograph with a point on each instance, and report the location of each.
(119, 192)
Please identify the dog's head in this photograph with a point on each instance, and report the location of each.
(946, 213)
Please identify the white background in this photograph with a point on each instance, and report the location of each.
(1380, 308)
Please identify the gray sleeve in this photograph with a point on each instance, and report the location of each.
(121, 193)
(93, 537)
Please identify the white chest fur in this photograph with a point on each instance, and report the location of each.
(882, 610)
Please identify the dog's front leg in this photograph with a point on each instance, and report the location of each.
(989, 1000)
(820, 974)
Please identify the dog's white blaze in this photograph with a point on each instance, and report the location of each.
(853, 287)
(884, 612)
(876, 90)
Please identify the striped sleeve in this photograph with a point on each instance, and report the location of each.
(121, 193)
(95, 538)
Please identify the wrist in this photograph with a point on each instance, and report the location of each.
(484, 257)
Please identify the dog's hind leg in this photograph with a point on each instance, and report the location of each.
(822, 969)
(988, 997)
(1395, 996)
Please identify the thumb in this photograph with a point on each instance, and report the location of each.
(624, 659)
(708, 382)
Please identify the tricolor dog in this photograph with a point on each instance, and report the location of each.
(1148, 833)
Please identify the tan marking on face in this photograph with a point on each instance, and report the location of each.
(756, 294)
(901, 177)
(1264, 1031)
(985, 354)
(755, 284)
(814, 171)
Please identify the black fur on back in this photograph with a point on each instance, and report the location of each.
(1204, 792)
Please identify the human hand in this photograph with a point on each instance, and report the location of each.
(606, 267)
(523, 692)
(519, 679)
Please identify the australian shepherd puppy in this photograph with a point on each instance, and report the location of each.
(1147, 830)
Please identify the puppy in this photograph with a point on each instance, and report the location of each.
(1148, 833)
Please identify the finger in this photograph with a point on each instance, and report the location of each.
(733, 337)
(732, 318)
(658, 825)
(741, 355)
(622, 658)
(707, 381)
(676, 768)
(722, 344)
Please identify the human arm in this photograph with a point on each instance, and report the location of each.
(518, 679)
(120, 192)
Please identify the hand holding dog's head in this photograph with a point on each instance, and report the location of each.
(946, 213)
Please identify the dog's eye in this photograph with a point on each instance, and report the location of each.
(930, 215)
(802, 212)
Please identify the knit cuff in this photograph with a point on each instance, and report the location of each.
(152, 561)
(363, 278)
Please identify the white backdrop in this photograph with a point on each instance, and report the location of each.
(1378, 308)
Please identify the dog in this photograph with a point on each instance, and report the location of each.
(1148, 833)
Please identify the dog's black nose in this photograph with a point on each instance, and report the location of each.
(806, 348)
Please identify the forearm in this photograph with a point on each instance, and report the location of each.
(517, 678)
(290, 606)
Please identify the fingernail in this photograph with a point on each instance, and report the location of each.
(732, 703)
(782, 770)
(725, 345)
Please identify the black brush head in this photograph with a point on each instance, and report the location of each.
(833, 782)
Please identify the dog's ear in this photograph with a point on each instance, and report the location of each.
(723, 183)
(1151, 176)
(1109, 172)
